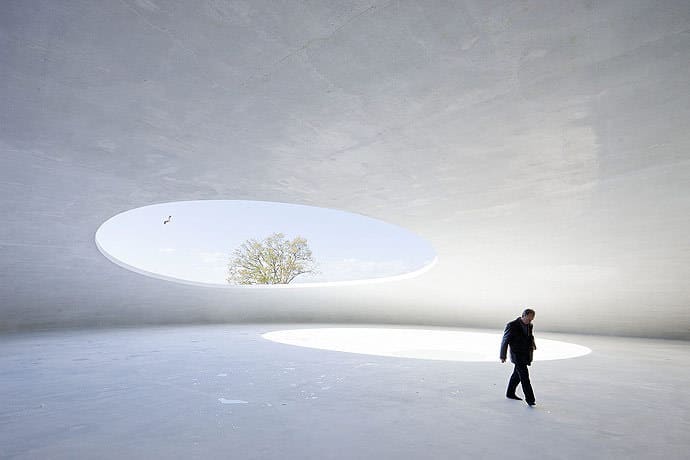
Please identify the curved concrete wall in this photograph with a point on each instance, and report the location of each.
(542, 148)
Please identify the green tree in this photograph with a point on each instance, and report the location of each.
(275, 260)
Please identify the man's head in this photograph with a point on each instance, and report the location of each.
(527, 316)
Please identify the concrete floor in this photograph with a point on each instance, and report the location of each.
(222, 391)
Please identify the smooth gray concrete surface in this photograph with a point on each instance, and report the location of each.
(540, 146)
(222, 391)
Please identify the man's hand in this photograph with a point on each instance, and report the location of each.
(503, 360)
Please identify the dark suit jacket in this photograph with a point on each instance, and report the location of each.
(521, 344)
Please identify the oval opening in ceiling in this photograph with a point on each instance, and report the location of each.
(234, 243)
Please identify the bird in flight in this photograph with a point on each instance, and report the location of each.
(167, 220)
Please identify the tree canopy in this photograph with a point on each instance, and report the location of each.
(274, 260)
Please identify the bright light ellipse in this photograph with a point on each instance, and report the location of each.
(445, 345)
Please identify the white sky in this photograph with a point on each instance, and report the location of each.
(199, 239)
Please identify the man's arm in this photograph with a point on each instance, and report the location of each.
(504, 343)
(534, 344)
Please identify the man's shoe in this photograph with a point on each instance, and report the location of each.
(515, 397)
(531, 403)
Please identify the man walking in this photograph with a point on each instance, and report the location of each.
(518, 335)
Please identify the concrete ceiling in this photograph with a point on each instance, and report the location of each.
(542, 147)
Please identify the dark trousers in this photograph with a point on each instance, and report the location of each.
(521, 375)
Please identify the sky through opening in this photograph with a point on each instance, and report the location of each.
(193, 241)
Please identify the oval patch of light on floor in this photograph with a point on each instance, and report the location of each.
(445, 345)
(193, 241)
